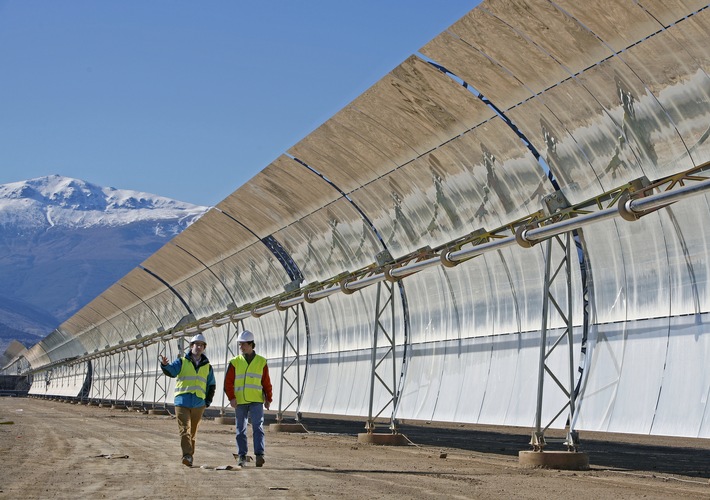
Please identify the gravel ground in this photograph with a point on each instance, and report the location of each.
(52, 449)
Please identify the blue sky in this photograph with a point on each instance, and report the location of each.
(188, 99)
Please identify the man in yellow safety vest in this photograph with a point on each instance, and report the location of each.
(248, 388)
(194, 390)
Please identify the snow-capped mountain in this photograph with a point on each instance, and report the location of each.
(45, 202)
(63, 241)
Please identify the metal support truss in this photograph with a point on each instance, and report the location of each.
(76, 371)
(229, 353)
(291, 361)
(384, 305)
(106, 379)
(121, 379)
(565, 382)
(138, 389)
(160, 395)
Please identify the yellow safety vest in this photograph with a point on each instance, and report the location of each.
(247, 379)
(191, 381)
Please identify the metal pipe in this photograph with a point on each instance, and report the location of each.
(321, 294)
(241, 315)
(259, 311)
(477, 250)
(415, 267)
(365, 282)
(666, 197)
(635, 206)
(291, 302)
(535, 235)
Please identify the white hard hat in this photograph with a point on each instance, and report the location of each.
(245, 336)
(198, 338)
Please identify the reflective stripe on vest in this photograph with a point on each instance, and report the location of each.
(191, 381)
(247, 379)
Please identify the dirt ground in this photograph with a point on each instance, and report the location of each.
(51, 449)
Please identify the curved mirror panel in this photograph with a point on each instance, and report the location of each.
(619, 24)
(534, 69)
(477, 69)
(572, 45)
(671, 11)
(333, 239)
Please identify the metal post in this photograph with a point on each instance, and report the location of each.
(538, 437)
(563, 270)
(370, 425)
(229, 353)
(572, 440)
(138, 389)
(160, 395)
(291, 369)
(121, 389)
(106, 381)
(381, 308)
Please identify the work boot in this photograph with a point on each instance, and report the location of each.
(187, 460)
(260, 460)
(242, 460)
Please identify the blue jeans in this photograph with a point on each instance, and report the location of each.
(256, 412)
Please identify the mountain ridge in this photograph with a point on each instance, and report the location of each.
(63, 241)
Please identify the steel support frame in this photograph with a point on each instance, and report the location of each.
(160, 395)
(75, 371)
(291, 370)
(106, 379)
(384, 304)
(121, 378)
(562, 271)
(229, 353)
(138, 389)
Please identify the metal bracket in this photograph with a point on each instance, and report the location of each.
(537, 441)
